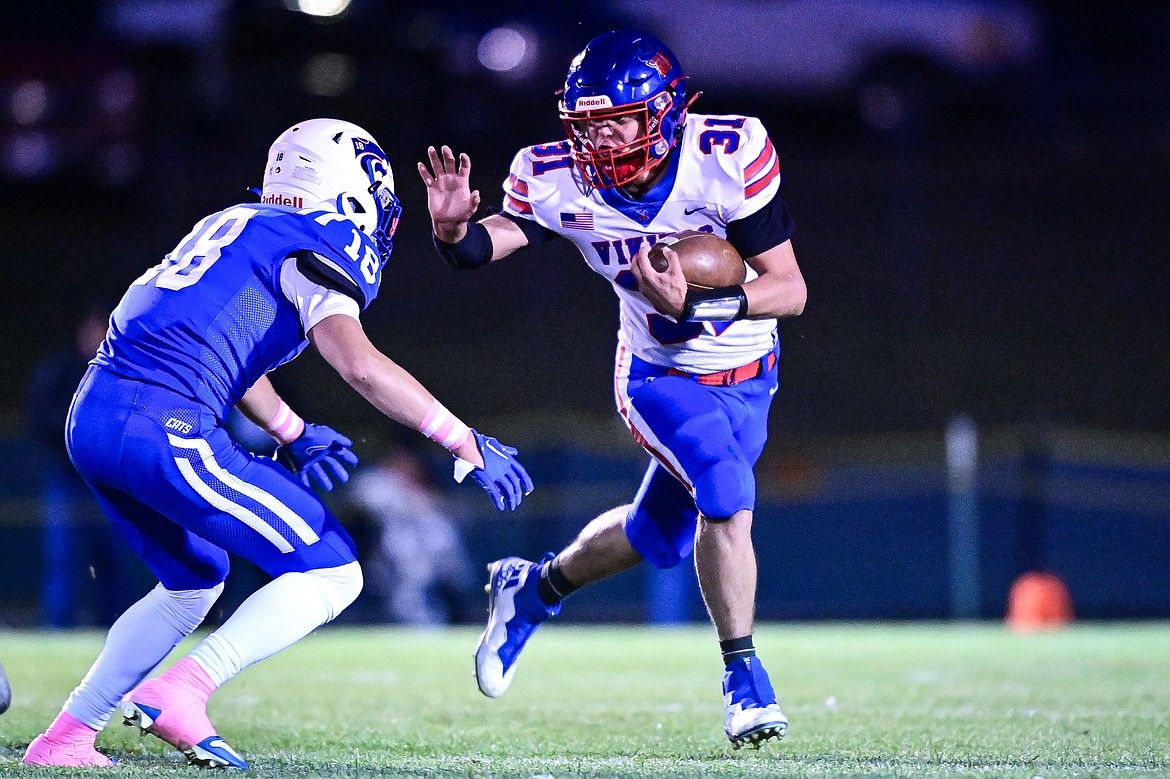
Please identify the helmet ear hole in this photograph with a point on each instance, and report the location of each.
(355, 205)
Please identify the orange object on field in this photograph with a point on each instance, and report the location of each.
(1038, 601)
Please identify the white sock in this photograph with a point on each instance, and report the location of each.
(275, 617)
(138, 641)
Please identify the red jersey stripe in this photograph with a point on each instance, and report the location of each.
(519, 186)
(518, 205)
(759, 162)
(756, 187)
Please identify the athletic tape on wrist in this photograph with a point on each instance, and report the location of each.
(722, 304)
(443, 427)
(285, 426)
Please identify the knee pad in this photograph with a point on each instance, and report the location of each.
(339, 587)
(185, 610)
(724, 488)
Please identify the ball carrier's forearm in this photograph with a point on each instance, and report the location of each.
(489, 239)
(452, 205)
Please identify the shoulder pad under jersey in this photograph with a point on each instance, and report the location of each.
(342, 258)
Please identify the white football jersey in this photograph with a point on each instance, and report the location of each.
(725, 169)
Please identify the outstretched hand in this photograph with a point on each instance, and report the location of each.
(666, 289)
(502, 476)
(449, 197)
(318, 456)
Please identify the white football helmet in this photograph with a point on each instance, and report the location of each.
(336, 166)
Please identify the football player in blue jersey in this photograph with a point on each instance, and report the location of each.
(695, 368)
(244, 292)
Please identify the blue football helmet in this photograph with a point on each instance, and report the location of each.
(338, 166)
(620, 75)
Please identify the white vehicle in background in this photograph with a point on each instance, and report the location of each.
(889, 57)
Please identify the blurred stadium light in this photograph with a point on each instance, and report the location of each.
(321, 8)
(508, 50)
(69, 109)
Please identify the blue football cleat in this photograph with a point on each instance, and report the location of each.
(753, 716)
(515, 611)
(214, 752)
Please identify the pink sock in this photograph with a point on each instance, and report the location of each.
(67, 729)
(190, 674)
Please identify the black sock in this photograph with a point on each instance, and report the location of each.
(735, 648)
(553, 587)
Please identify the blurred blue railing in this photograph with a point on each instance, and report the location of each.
(843, 530)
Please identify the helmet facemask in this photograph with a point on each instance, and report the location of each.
(624, 73)
(614, 166)
(389, 211)
(387, 208)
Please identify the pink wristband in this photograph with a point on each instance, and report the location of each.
(443, 427)
(285, 426)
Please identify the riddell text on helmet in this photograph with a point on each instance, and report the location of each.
(594, 101)
(283, 200)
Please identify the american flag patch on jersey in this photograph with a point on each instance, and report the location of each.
(578, 221)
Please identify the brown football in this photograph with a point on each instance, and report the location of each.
(707, 260)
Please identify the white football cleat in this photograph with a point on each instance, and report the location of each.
(515, 611)
(753, 716)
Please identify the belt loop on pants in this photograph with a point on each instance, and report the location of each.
(731, 376)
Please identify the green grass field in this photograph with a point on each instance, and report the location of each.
(905, 700)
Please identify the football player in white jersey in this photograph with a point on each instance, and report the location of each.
(695, 370)
(247, 290)
(5, 691)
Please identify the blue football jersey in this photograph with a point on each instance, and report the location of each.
(211, 319)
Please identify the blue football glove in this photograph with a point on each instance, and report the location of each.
(320, 455)
(502, 476)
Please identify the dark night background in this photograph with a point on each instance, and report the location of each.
(985, 239)
(1001, 256)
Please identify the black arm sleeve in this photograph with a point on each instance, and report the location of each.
(535, 233)
(770, 226)
(316, 270)
(473, 251)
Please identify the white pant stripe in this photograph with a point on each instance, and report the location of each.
(638, 426)
(266, 499)
(236, 510)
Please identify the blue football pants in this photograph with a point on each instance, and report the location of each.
(704, 442)
(184, 495)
